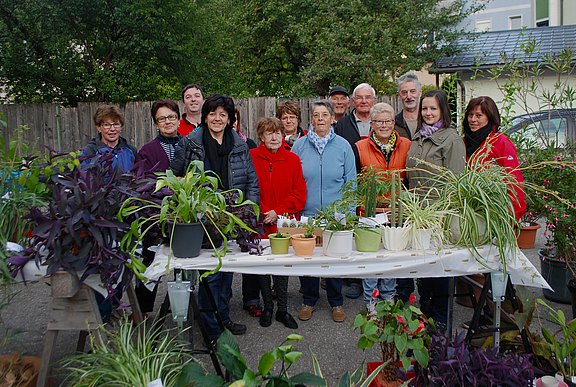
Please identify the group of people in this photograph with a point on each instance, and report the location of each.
(299, 172)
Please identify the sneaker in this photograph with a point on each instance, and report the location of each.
(305, 313)
(354, 291)
(266, 318)
(235, 329)
(286, 319)
(338, 314)
(253, 310)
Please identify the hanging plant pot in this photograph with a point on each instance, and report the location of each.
(368, 239)
(337, 243)
(527, 236)
(465, 232)
(279, 243)
(303, 247)
(395, 238)
(187, 239)
(556, 273)
(421, 239)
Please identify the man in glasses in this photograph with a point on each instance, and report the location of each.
(193, 98)
(410, 91)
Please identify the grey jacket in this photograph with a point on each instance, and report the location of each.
(241, 172)
(444, 148)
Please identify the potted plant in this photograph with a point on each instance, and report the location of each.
(78, 231)
(453, 363)
(304, 244)
(279, 243)
(395, 236)
(338, 220)
(400, 330)
(424, 217)
(189, 204)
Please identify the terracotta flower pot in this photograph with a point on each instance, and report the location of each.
(527, 236)
(303, 247)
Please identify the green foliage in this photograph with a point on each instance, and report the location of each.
(229, 354)
(562, 342)
(340, 215)
(421, 212)
(71, 51)
(132, 356)
(400, 330)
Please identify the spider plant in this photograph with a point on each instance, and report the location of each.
(133, 356)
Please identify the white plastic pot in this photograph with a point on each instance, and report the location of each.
(395, 238)
(337, 243)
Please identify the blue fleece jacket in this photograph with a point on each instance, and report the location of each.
(325, 173)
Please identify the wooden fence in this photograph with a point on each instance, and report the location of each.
(69, 129)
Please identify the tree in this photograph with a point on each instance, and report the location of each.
(101, 50)
(304, 46)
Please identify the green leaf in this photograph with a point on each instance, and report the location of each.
(266, 363)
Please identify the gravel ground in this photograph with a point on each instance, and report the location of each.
(23, 325)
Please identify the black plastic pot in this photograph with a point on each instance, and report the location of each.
(572, 288)
(556, 273)
(187, 239)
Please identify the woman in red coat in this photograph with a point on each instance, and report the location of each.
(282, 191)
(485, 143)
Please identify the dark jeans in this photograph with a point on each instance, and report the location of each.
(221, 286)
(281, 286)
(434, 299)
(311, 288)
(146, 298)
(404, 288)
(250, 289)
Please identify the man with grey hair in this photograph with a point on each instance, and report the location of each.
(410, 91)
(356, 125)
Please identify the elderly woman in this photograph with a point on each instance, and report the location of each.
(109, 122)
(217, 144)
(289, 113)
(485, 143)
(437, 143)
(154, 156)
(327, 164)
(282, 191)
(385, 150)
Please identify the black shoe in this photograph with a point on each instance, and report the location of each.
(266, 318)
(236, 329)
(354, 291)
(286, 319)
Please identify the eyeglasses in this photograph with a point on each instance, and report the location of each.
(171, 117)
(289, 117)
(380, 123)
(107, 125)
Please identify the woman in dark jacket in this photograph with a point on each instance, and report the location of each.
(156, 156)
(217, 144)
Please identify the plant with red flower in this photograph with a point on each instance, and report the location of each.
(400, 330)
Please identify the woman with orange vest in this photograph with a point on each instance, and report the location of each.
(385, 150)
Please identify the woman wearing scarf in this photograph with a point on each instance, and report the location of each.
(485, 143)
(282, 191)
(223, 152)
(156, 156)
(437, 143)
(384, 150)
(327, 164)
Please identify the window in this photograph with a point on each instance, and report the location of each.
(515, 22)
(483, 25)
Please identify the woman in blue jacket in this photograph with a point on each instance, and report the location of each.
(327, 164)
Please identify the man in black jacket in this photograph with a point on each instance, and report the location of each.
(410, 91)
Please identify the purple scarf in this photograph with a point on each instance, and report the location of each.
(428, 130)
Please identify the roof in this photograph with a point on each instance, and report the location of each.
(486, 49)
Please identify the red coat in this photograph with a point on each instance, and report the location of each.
(282, 185)
(499, 148)
(185, 126)
(370, 154)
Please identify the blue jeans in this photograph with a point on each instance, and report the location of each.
(311, 288)
(221, 287)
(386, 287)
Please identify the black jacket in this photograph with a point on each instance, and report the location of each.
(241, 172)
(401, 126)
(348, 129)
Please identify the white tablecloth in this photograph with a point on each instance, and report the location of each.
(447, 262)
